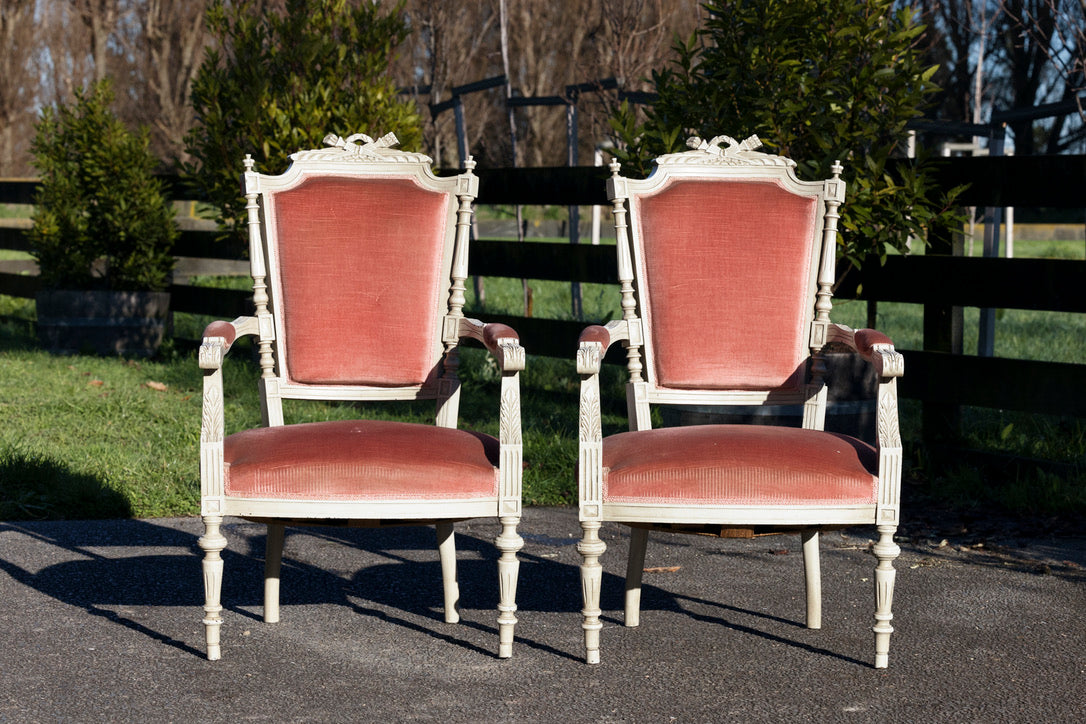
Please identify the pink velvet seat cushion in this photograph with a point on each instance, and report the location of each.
(361, 460)
(738, 465)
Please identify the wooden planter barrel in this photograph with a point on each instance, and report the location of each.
(102, 322)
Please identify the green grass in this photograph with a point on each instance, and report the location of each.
(86, 437)
(90, 437)
(16, 211)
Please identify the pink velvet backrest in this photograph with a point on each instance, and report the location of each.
(727, 282)
(358, 275)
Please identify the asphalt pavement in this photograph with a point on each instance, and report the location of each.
(101, 621)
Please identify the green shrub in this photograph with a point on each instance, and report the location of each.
(279, 83)
(102, 220)
(817, 81)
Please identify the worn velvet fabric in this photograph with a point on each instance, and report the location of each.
(221, 329)
(360, 460)
(360, 279)
(738, 465)
(727, 270)
(866, 339)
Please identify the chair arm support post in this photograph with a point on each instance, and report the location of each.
(503, 343)
(511, 447)
(217, 340)
(589, 437)
(593, 345)
(889, 364)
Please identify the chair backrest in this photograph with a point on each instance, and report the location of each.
(359, 254)
(728, 252)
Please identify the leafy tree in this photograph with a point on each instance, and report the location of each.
(101, 220)
(817, 81)
(280, 82)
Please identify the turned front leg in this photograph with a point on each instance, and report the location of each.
(591, 548)
(212, 542)
(885, 550)
(509, 543)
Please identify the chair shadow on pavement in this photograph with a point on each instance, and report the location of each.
(106, 584)
(110, 572)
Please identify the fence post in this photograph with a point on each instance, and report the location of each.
(576, 303)
(943, 324)
(993, 219)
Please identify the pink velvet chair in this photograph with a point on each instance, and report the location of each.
(726, 268)
(359, 255)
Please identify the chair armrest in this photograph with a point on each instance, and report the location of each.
(873, 346)
(219, 336)
(594, 342)
(878, 349)
(502, 341)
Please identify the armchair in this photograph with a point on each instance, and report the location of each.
(359, 255)
(726, 266)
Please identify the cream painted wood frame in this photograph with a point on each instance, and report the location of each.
(354, 157)
(733, 161)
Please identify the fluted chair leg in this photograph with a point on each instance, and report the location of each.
(591, 548)
(812, 576)
(446, 549)
(635, 567)
(509, 543)
(273, 563)
(212, 543)
(885, 550)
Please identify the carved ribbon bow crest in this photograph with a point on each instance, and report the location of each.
(368, 147)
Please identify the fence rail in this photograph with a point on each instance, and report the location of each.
(937, 374)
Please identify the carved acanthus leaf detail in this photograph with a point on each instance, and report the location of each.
(211, 353)
(212, 415)
(889, 433)
(591, 419)
(889, 362)
(512, 357)
(509, 417)
(588, 358)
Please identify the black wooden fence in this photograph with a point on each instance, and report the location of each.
(938, 374)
